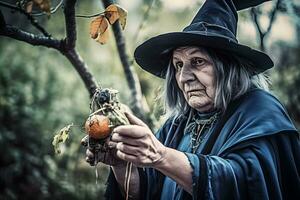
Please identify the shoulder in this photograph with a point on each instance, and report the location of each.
(261, 106)
(259, 114)
(262, 100)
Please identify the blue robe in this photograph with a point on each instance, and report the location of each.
(255, 155)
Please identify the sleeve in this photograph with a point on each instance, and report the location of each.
(252, 172)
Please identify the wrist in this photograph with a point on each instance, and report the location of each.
(163, 161)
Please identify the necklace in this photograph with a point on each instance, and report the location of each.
(196, 129)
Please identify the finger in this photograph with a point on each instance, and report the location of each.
(116, 137)
(126, 157)
(84, 141)
(128, 149)
(133, 131)
(89, 154)
(112, 144)
(134, 120)
(89, 160)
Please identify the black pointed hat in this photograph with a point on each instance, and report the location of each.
(213, 26)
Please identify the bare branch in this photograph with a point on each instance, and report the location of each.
(131, 76)
(255, 15)
(32, 20)
(82, 69)
(144, 19)
(18, 34)
(273, 16)
(60, 45)
(69, 11)
(90, 16)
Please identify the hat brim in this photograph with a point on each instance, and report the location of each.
(152, 57)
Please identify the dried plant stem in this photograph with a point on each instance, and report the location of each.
(127, 179)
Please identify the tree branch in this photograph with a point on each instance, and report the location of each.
(273, 16)
(82, 69)
(254, 15)
(32, 20)
(68, 48)
(69, 11)
(60, 45)
(262, 34)
(16, 33)
(131, 76)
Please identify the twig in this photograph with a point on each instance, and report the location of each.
(255, 15)
(32, 20)
(90, 16)
(52, 10)
(145, 17)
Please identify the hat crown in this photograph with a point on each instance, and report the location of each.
(216, 16)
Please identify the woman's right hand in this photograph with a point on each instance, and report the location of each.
(105, 154)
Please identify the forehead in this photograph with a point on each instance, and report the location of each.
(188, 50)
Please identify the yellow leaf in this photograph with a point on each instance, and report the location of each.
(61, 137)
(99, 29)
(114, 12)
(29, 5)
(44, 5)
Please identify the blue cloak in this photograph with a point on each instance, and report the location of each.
(254, 153)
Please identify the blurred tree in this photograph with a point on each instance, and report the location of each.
(286, 74)
(67, 46)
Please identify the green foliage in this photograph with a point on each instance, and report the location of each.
(286, 79)
(30, 91)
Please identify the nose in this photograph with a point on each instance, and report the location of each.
(186, 74)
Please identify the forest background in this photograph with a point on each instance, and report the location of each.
(41, 90)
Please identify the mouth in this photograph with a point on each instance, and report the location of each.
(191, 93)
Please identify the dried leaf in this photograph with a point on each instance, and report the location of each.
(61, 138)
(115, 12)
(44, 5)
(99, 29)
(29, 5)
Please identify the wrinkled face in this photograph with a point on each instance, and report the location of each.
(195, 77)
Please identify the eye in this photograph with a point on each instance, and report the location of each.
(197, 61)
(178, 65)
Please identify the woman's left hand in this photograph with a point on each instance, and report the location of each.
(137, 144)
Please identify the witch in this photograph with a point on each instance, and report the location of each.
(226, 136)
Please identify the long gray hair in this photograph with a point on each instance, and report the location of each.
(234, 76)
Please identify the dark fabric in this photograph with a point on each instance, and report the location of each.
(214, 26)
(243, 4)
(113, 191)
(255, 156)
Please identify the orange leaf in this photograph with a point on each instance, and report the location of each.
(114, 12)
(99, 29)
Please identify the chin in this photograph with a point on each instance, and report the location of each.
(200, 104)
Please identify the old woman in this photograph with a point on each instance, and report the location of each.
(226, 137)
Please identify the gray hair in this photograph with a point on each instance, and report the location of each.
(234, 77)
